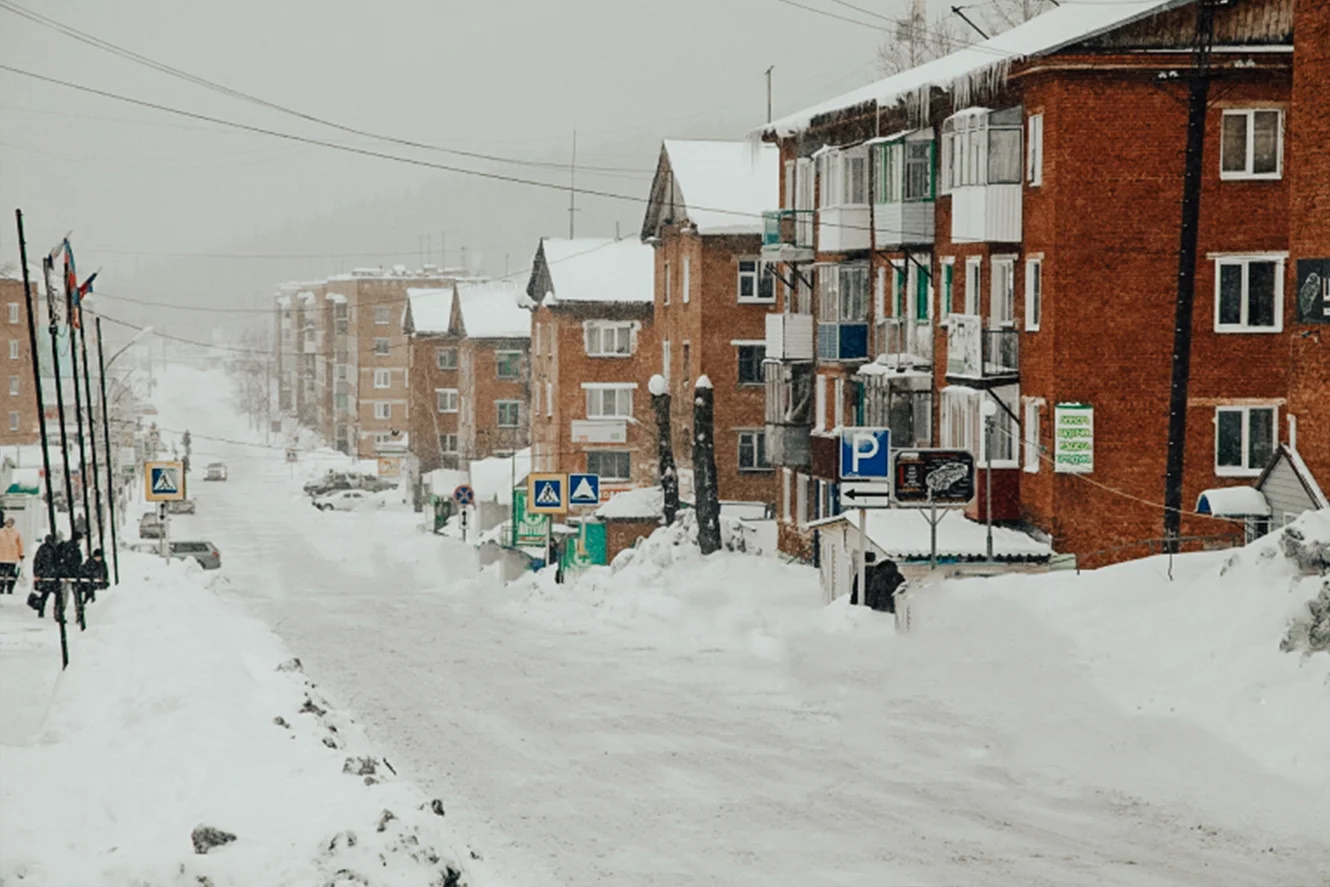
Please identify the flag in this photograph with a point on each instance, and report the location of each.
(71, 285)
(86, 286)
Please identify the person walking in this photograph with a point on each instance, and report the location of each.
(94, 575)
(883, 583)
(45, 581)
(11, 556)
(69, 563)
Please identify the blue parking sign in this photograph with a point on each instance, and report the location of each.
(865, 454)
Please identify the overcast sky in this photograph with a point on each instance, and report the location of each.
(503, 77)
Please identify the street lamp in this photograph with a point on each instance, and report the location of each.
(989, 409)
(139, 335)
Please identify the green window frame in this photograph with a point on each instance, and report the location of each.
(948, 286)
(900, 273)
(921, 281)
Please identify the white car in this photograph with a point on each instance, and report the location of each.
(348, 500)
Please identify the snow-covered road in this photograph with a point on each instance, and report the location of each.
(581, 757)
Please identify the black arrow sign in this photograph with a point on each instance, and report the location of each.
(866, 494)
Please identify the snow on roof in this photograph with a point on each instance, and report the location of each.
(640, 504)
(904, 533)
(984, 61)
(1233, 502)
(431, 309)
(493, 310)
(443, 481)
(1314, 488)
(715, 176)
(493, 479)
(601, 270)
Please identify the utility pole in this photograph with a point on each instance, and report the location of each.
(111, 486)
(1198, 98)
(572, 188)
(769, 70)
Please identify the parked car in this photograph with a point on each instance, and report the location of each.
(347, 500)
(207, 555)
(151, 526)
(180, 506)
(377, 484)
(330, 482)
(215, 471)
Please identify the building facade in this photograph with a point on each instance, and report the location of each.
(21, 423)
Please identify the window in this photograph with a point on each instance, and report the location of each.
(536, 334)
(1003, 308)
(687, 363)
(610, 465)
(1034, 293)
(340, 401)
(14, 421)
(339, 317)
(687, 277)
(1249, 295)
(381, 347)
(509, 413)
(446, 358)
(753, 451)
(964, 427)
(1251, 145)
(750, 364)
(972, 273)
(383, 410)
(1244, 439)
(887, 160)
(981, 147)
(665, 360)
(842, 329)
(13, 386)
(820, 404)
(611, 402)
(383, 378)
(549, 398)
(448, 443)
(608, 339)
(381, 315)
(341, 371)
(508, 364)
(948, 285)
(669, 280)
(1032, 436)
(918, 171)
(756, 282)
(447, 398)
(535, 401)
(13, 312)
(801, 497)
(785, 479)
(854, 178)
(382, 438)
(1034, 154)
(13, 349)
(898, 286)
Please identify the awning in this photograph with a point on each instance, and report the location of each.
(1233, 502)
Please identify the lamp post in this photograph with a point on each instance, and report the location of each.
(989, 409)
(139, 335)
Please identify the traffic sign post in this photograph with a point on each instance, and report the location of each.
(164, 481)
(583, 489)
(547, 494)
(934, 477)
(865, 454)
(464, 495)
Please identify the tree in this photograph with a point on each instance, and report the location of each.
(704, 466)
(918, 38)
(669, 475)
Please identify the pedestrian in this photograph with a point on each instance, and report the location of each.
(883, 582)
(11, 556)
(94, 575)
(870, 557)
(69, 562)
(44, 575)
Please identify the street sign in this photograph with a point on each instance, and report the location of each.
(163, 481)
(529, 530)
(464, 495)
(1073, 438)
(865, 454)
(944, 477)
(584, 489)
(864, 495)
(292, 456)
(547, 494)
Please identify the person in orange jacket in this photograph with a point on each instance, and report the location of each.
(11, 556)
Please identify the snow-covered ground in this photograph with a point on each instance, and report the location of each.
(711, 723)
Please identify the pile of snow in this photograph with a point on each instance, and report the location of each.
(726, 186)
(184, 746)
(493, 479)
(643, 503)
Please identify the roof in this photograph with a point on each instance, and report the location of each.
(431, 309)
(1300, 469)
(983, 62)
(904, 533)
(1233, 502)
(493, 479)
(600, 270)
(644, 503)
(493, 310)
(723, 187)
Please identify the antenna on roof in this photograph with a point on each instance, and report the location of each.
(572, 187)
(769, 70)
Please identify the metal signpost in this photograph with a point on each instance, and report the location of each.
(464, 495)
(547, 494)
(932, 478)
(865, 455)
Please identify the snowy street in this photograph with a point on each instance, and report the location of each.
(822, 748)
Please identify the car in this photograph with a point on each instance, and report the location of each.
(207, 554)
(180, 506)
(215, 471)
(151, 526)
(330, 482)
(346, 500)
(376, 484)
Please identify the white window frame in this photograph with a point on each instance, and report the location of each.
(609, 477)
(535, 400)
(820, 403)
(15, 420)
(595, 399)
(1279, 260)
(594, 333)
(383, 410)
(499, 406)
(13, 349)
(382, 315)
(549, 399)
(382, 347)
(687, 278)
(13, 312)
(1034, 294)
(1249, 161)
(1002, 298)
(383, 378)
(1032, 455)
(801, 498)
(759, 271)
(439, 361)
(669, 279)
(448, 443)
(757, 435)
(946, 289)
(785, 481)
(498, 362)
(1034, 154)
(838, 403)
(974, 269)
(1245, 469)
(665, 355)
(13, 386)
(447, 400)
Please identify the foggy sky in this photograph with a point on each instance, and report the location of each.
(506, 77)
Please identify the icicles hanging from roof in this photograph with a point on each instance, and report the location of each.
(975, 86)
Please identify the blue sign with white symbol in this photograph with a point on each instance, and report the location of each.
(549, 494)
(584, 489)
(865, 453)
(464, 495)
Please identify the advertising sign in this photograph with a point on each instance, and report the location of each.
(528, 529)
(1313, 290)
(944, 477)
(588, 548)
(1073, 438)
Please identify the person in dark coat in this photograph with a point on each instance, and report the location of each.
(870, 559)
(69, 561)
(94, 575)
(45, 574)
(883, 582)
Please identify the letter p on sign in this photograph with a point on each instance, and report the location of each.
(865, 454)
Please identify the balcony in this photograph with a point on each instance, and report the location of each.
(789, 413)
(842, 229)
(789, 337)
(599, 431)
(901, 401)
(842, 341)
(903, 343)
(978, 355)
(986, 214)
(787, 235)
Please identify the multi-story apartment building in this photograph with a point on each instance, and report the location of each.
(20, 423)
(712, 297)
(592, 354)
(1001, 226)
(433, 364)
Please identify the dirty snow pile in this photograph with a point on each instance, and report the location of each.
(184, 746)
(1226, 644)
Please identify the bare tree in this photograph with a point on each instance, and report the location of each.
(919, 37)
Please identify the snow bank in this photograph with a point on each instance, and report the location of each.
(642, 503)
(179, 712)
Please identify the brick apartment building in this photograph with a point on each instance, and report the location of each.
(20, 422)
(469, 372)
(1002, 226)
(592, 353)
(712, 298)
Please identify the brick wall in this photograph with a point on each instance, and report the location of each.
(482, 389)
(426, 422)
(19, 422)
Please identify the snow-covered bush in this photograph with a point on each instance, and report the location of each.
(679, 541)
(1311, 634)
(1312, 555)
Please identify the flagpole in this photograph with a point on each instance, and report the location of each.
(110, 463)
(48, 266)
(92, 436)
(70, 286)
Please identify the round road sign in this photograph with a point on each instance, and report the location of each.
(464, 495)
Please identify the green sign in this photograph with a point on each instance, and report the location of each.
(528, 529)
(1073, 438)
(588, 548)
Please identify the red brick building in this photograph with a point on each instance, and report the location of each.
(434, 359)
(592, 354)
(1002, 227)
(495, 368)
(712, 298)
(20, 420)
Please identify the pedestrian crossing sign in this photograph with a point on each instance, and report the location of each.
(164, 481)
(547, 494)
